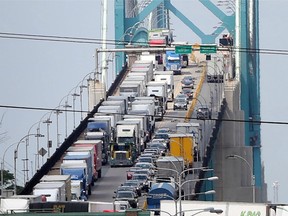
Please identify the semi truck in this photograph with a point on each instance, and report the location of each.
(81, 180)
(96, 161)
(101, 128)
(53, 191)
(169, 166)
(159, 91)
(166, 76)
(130, 89)
(147, 108)
(124, 150)
(60, 178)
(182, 145)
(173, 62)
(158, 192)
(116, 103)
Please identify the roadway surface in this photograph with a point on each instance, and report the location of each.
(104, 188)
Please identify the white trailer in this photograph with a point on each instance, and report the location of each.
(166, 76)
(130, 89)
(60, 178)
(54, 191)
(204, 207)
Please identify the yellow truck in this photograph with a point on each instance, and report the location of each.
(182, 145)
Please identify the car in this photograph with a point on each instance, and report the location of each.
(143, 179)
(188, 92)
(163, 130)
(161, 146)
(181, 95)
(204, 113)
(159, 135)
(144, 165)
(133, 183)
(144, 159)
(152, 154)
(180, 104)
(148, 172)
(131, 171)
(128, 188)
(188, 81)
(129, 196)
(165, 142)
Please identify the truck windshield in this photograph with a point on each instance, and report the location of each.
(125, 147)
(125, 139)
(96, 126)
(174, 60)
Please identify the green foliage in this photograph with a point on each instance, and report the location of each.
(7, 177)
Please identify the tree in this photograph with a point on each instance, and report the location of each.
(7, 177)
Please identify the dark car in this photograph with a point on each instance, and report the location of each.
(163, 130)
(204, 113)
(129, 196)
(180, 104)
(188, 81)
(131, 171)
(188, 92)
(159, 135)
(135, 184)
(143, 179)
(128, 188)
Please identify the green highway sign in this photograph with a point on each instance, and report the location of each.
(183, 49)
(208, 49)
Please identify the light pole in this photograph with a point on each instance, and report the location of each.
(275, 191)
(74, 95)
(3, 166)
(49, 145)
(15, 159)
(66, 118)
(200, 210)
(57, 112)
(234, 156)
(180, 184)
(211, 210)
(81, 99)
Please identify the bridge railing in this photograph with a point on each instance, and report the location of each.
(69, 140)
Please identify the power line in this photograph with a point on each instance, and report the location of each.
(53, 38)
(166, 116)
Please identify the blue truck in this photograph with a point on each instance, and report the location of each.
(80, 166)
(173, 62)
(158, 192)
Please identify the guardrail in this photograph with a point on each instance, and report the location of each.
(196, 94)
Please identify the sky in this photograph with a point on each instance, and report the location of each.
(44, 74)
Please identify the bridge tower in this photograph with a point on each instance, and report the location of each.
(242, 24)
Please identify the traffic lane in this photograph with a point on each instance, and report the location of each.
(104, 187)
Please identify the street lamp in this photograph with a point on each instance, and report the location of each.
(16, 156)
(66, 119)
(48, 122)
(200, 210)
(211, 210)
(181, 184)
(234, 156)
(81, 99)
(3, 166)
(74, 95)
(57, 112)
